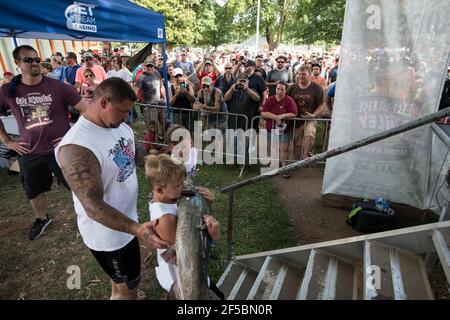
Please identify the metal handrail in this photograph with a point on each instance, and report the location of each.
(344, 149)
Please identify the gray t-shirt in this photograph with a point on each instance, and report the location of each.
(278, 75)
(151, 87)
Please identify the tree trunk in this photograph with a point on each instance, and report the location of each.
(287, 5)
(269, 37)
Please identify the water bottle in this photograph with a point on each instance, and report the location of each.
(383, 206)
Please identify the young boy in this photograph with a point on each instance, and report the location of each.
(166, 176)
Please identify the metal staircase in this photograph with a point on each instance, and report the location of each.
(382, 266)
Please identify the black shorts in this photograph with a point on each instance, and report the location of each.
(36, 173)
(123, 265)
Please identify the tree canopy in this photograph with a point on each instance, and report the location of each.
(205, 23)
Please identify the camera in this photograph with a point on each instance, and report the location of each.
(183, 85)
(239, 86)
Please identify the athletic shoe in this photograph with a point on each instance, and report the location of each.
(38, 227)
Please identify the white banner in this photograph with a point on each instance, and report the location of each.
(394, 58)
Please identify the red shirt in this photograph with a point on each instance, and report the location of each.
(40, 111)
(203, 74)
(150, 137)
(287, 105)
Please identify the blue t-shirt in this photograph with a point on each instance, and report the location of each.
(58, 74)
(187, 67)
(331, 90)
(71, 73)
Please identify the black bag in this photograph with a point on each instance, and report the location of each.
(366, 217)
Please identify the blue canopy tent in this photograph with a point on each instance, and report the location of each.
(94, 20)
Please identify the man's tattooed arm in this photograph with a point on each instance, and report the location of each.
(83, 174)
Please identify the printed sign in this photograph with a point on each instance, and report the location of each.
(80, 17)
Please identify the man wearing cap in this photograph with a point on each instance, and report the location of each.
(153, 92)
(278, 74)
(210, 98)
(150, 82)
(98, 71)
(255, 81)
(7, 76)
(181, 95)
(241, 99)
(207, 69)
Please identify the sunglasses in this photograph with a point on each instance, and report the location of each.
(178, 76)
(280, 62)
(228, 68)
(30, 60)
(149, 65)
(89, 76)
(87, 59)
(205, 86)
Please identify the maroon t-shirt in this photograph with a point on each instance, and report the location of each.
(40, 111)
(287, 105)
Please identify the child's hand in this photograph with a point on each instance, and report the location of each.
(212, 226)
(206, 193)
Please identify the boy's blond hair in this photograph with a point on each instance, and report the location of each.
(162, 169)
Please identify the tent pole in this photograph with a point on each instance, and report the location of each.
(166, 82)
(15, 42)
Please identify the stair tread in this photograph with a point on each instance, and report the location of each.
(402, 274)
(327, 277)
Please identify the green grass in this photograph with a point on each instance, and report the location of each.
(37, 269)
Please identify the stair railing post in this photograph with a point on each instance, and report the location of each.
(230, 227)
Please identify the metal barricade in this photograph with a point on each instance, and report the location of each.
(294, 133)
(156, 115)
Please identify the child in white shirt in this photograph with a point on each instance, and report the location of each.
(166, 176)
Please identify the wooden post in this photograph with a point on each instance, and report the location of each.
(52, 46)
(2, 62)
(230, 228)
(64, 46)
(38, 47)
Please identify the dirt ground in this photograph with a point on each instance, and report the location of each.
(313, 221)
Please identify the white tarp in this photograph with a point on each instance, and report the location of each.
(394, 56)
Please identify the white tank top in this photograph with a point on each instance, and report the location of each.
(115, 151)
(166, 273)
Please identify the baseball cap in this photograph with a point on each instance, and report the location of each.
(243, 75)
(87, 55)
(149, 61)
(208, 62)
(177, 71)
(207, 80)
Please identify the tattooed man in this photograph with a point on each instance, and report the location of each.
(98, 158)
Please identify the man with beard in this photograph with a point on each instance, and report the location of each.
(98, 158)
(278, 74)
(316, 77)
(242, 99)
(309, 99)
(39, 105)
